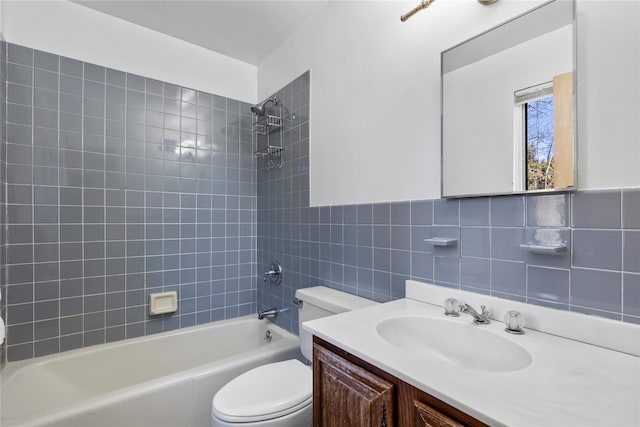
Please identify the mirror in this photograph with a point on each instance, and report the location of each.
(508, 98)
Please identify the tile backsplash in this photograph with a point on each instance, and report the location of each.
(371, 249)
(119, 186)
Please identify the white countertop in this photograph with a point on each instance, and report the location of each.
(569, 383)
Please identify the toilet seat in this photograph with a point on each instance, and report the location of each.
(264, 393)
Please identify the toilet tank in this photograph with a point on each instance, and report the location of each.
(320, 301)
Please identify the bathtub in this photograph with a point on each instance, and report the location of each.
(166, 379)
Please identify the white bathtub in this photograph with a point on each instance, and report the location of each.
(166, 379)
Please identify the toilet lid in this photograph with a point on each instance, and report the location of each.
(266, 392)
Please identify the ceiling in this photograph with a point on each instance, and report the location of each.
(247, 30)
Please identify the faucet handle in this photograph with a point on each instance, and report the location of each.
(514, 322)
(451, 307)
(274, 274)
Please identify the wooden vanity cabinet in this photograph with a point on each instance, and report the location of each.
(345, 394)
(349, 392)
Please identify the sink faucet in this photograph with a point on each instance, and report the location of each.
(480, 318)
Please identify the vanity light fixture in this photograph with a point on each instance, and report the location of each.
(423, 5)
(426, 3)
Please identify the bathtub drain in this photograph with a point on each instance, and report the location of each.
(267, 336)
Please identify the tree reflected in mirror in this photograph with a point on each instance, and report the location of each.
(539, 137)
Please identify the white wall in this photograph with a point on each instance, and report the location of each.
(375, 100)
(71, 30)
(608, 94)
(3, 24)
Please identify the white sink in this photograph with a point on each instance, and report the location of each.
(464, 344)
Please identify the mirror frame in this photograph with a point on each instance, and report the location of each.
(574, 59)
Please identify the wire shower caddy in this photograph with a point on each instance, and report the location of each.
(269, 146)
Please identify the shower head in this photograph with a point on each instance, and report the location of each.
(259, 109)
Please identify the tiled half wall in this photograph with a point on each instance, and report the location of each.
(119, 186)
(3, 187)
(371, 249)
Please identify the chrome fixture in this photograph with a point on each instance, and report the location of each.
(267, 121)
(259, 109)
(451, 307)
(514, 322)
(298, 302)
(480, 318)
(426, 3)
(273, 156)
(268, 126)
(274, 273)
(272, 313)
(268, 336)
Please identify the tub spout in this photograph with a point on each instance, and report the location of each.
(271, 313)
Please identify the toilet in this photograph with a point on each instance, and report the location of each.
(280, 394)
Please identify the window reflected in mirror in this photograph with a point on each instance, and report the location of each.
(545, 132)
(539, 147)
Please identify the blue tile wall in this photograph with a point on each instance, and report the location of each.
(120, 186)
(282, 194)
(370, 250)
(3, 187)
(116, 185)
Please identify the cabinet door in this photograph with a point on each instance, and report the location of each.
(346, 395)
(426, 416)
